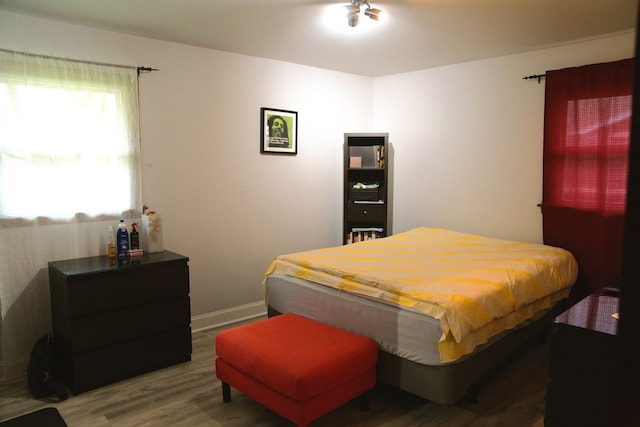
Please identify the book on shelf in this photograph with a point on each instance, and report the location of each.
(379, 150)
(361, 234)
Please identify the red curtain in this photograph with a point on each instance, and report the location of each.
(587, 125)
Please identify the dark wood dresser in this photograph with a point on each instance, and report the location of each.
(582, 364)
(114, 319)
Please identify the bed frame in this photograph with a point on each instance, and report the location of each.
(448, 384)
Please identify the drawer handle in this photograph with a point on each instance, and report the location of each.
(364, 212)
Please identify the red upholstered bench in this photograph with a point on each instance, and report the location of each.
(297, 367)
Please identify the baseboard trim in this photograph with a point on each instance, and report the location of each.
(228, 316)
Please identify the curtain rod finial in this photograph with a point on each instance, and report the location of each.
(146, 69)
(538, 77)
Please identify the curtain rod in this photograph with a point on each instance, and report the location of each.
(535, 76)
(36, 55)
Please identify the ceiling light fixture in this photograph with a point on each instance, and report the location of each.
(353, 12)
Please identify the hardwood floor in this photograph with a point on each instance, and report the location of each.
(189, 394)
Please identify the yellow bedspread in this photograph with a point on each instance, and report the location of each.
(476, 286)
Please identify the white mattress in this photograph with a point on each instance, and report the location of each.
(408, 334)
(402, 332)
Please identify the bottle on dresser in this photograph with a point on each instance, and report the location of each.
(111, 243)
(122, 239)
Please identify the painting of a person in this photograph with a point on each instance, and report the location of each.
(278, 132)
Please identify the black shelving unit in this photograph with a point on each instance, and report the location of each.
(366, 186)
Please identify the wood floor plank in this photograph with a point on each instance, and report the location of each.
(189, 394)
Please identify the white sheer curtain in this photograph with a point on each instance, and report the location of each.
(69, 168)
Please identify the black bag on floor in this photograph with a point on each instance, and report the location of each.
(41, 372)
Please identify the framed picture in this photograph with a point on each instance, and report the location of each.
(279, 131)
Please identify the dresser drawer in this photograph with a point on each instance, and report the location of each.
(110, 364)
(365, 212)
(111, 327)
(90, 295)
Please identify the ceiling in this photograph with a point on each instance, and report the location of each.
(416, 34)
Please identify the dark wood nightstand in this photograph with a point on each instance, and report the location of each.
(582, 364)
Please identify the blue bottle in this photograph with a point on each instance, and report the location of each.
(122, 239)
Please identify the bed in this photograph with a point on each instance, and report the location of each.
(445, 307)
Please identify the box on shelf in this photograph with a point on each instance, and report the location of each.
(364, 192)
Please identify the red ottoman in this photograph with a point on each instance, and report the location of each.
(297, 367)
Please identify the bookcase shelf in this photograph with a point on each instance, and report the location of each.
(365, 213)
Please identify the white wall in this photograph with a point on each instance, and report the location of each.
(226, 206)
(467, 139)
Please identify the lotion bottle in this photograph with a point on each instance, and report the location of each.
(122, 239)
(111, 243)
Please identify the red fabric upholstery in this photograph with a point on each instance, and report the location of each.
(295, 366)
(299, 412)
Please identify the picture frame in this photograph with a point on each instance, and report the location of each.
(278, 131)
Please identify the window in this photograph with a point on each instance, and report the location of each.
(587, 129)
(595, 158)
(68, 138)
